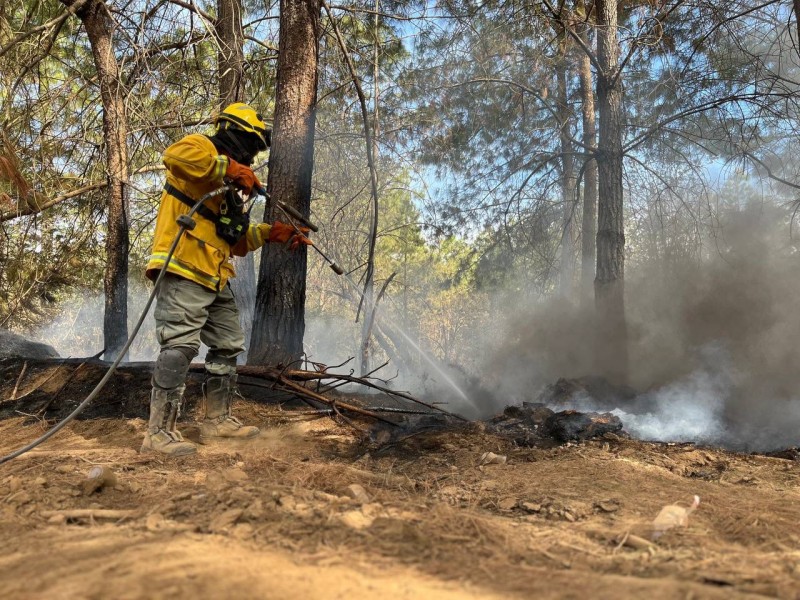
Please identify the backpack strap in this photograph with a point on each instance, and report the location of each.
(202, 210)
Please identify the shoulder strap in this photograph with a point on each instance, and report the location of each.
(202, 210)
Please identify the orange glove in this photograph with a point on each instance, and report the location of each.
(242, 176)
(282, 232)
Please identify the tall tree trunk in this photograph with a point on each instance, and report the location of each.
(99, 26)
(610, 277)
(589, 221)
(797, 22)
(230, 69)
(370, 305)
(279, 322)
(567, 270)
(230, 52)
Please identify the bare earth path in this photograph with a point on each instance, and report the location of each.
(273, 519)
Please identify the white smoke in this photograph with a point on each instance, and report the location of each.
(78, 330)
(690, 409)
(332, 340)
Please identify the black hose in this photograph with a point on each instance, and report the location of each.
(185, 222)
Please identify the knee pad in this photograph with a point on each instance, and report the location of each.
(172, 366)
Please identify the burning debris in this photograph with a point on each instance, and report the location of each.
(533, 424)
(571, 425)
(529, 425)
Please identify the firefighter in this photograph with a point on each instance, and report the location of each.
(194, 302)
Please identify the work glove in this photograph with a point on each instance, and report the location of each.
(242, 177)
(282, 233)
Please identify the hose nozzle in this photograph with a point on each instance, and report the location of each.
(295, 214)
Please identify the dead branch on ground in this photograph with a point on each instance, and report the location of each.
(290, 381)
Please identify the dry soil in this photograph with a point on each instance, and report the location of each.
(278, 518)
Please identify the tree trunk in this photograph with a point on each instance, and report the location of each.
(230, 52)
(230, 68)
(589, 221)
(610, 278)
(567, 271)
(99, 24)
(279, 322)
(369, 285)
(797, 23)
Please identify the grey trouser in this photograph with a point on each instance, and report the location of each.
(188, 313)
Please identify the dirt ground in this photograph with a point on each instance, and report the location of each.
(274, 518)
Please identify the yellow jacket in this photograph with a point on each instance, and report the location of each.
(195, 168)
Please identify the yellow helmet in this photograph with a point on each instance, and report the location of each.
(245, 118)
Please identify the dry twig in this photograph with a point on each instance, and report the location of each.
(89, 513)
(19, 379)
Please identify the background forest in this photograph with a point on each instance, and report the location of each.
(527, 156)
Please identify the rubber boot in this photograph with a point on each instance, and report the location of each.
(162, 435)
(218, 423)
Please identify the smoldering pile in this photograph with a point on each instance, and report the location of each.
(547, 422)
(584, 408)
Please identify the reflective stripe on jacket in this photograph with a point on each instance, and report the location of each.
(195, 168)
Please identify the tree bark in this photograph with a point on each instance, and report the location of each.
(567, 270)
(797, 22)
(99, 26)
(279, 322)
(230, 52)
(371, 306)
(610, 277)
(230, 74)
(589, 220)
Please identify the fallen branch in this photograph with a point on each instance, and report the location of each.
(308, 387)
(329, 388)
(284, 378)
(309, 376)
(335, 404)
